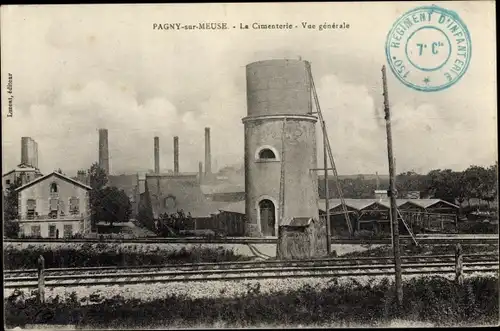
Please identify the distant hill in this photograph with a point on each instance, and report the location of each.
(365, 176)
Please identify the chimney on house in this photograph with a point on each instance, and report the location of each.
(176, 155)
(103, 150)
(157, 154)
(208, 155)
(81, 176)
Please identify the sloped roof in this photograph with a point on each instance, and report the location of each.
(222, 188)
(22, 168)
(234, 207)
(426, 203)
(360, 204)
(39, 179)
(357, 204)
(183, 189)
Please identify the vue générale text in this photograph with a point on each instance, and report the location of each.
(250, 26)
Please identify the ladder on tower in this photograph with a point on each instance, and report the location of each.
(330, 155)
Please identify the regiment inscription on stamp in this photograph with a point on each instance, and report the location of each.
(429, 48)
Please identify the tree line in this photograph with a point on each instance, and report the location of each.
(475, 182)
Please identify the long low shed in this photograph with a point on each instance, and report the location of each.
(427, 213)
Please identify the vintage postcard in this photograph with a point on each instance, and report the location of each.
(264, 165)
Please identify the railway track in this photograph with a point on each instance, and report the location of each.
(421, 238)
(332, 267)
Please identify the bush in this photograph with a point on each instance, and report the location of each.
(430, 299)
(11, 228)
(410, 249)
(103, 254)
(477, 227)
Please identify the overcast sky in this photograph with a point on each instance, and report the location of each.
(80, 68)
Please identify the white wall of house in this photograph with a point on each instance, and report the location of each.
(51, 204)
(48, 228)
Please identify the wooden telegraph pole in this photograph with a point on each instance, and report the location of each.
(392, 195)
(327, 195)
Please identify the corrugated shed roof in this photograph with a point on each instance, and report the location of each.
(184, 193)
(360, 204)
(426, 203)
(357, 204)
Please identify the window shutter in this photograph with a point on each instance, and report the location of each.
(54, 204)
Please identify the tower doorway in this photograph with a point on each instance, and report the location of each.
(267, 217)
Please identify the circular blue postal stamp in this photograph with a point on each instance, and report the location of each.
(429, 48)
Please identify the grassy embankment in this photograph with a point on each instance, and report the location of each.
(433, 300)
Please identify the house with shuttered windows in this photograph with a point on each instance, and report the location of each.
(53, 206)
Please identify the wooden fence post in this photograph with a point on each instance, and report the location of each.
(459, 272)
(41, 280)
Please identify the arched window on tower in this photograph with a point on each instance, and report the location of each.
(267, 154)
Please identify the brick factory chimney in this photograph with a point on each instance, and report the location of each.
(24, 150)
(208, 155)
(103, 150)
(29, 152)
(176, 155)
(157, 154)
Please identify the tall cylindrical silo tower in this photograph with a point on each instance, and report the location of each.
(279, 125)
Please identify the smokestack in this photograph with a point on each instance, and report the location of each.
(103, 150)
(35, 155)
(200, 171)
(157, 154)
(24, 150)
(176, 155)
(29, 152)
(208, 155)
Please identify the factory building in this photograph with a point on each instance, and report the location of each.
(23, 173)
(53, 206)
(280, 146)
(224, 192)
(168, 193)
(27, 170)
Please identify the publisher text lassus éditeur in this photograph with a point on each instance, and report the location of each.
(10, 97)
